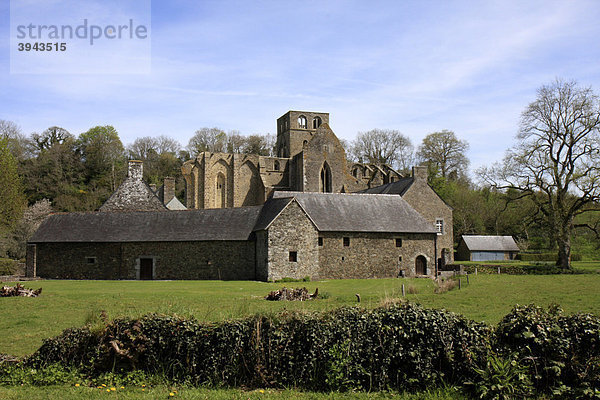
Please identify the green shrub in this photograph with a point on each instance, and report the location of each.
(501, 378)
(8, 266)
(398, 347)
(562, 353)
(553, 257)
(531, 269)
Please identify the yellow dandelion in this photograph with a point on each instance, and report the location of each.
(77, 385)
(143, 389)
(108, 390)
(143, 385)
(103, 385)
(261, 391)
(113, 389)
(122, 387)
(171, 394)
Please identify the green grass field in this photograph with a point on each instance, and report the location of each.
(25, 322)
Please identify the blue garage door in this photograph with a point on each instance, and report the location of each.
(487, 255)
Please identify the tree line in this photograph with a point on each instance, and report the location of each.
(545, 191)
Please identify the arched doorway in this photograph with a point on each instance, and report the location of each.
(325, 183)
(421, 265)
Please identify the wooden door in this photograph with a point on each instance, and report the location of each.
(420, 265)
(146, 268)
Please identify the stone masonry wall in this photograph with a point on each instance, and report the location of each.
(426, 202)
(227, 260)
(72, 260)
(372, 255)
(292, 230)
(133, 194)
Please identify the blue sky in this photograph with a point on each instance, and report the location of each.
(415, 66)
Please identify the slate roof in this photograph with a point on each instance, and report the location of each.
(271, 209)
(490, 243)
(338, 212)
(399, 187)
(149, 226)
(175, 204)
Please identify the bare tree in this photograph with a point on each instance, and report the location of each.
(555, 162)
(20, 147)
(383, 146)
(207, 139)
(235, 142)
(446, 152)
(141, 148)
(165, 144)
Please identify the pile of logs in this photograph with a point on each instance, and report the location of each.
(292, 294)
(19, 290)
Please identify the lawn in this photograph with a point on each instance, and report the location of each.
(163, 392)
(26, 322)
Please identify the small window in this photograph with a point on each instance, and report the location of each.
(439, 226)
(276, 165)
(400, 259)
(293, 256)
(316, 122)
(302, 122)
(346, 242)
(398, 242)
(320, 241)
(91, 260)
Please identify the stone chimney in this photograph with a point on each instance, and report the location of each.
(419, 173)
(168, 189)
(135, 170)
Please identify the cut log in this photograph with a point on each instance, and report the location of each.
(19, 290)
(298, 294)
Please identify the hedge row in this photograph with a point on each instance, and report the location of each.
(400, 347)
(535, 269)
(544, 257)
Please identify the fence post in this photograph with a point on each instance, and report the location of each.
(498, 270)
(467, 279)
(459, 283)
(403, 294)
(475, 270)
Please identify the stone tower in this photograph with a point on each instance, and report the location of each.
(295, 129)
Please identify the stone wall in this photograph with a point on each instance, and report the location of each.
(426, 202)
(227, 260)
(372, 255)
(292, 231)
(133, 194)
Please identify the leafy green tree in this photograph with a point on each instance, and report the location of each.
(104, 157)
(50, 137)
(446, 152)
(11, 194)
(556, 161)
(57, 173)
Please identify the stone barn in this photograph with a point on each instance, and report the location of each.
(319, 235)
(486, 248)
